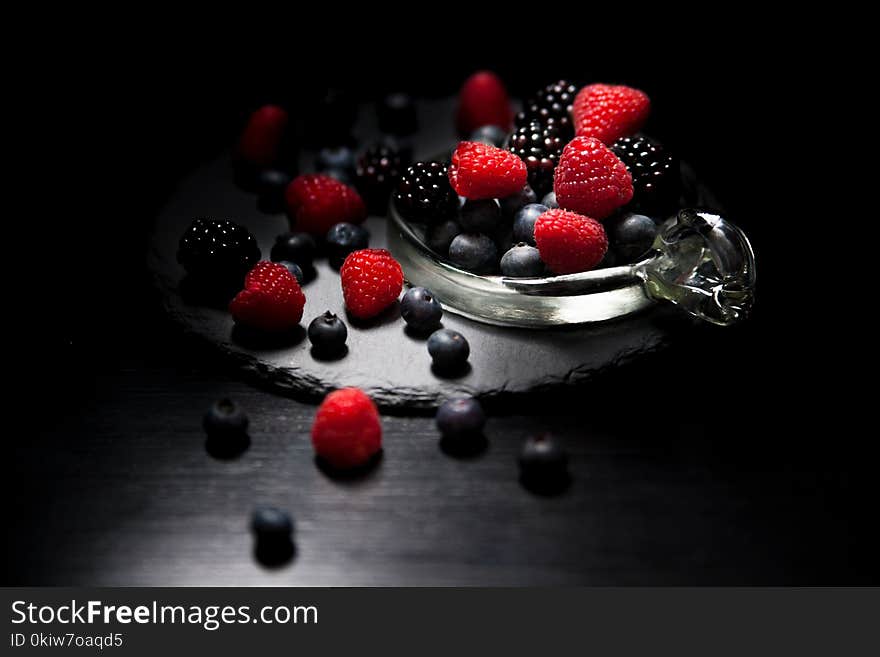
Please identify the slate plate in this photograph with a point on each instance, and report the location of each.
(393, 367)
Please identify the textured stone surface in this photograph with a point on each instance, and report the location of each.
(383, 359)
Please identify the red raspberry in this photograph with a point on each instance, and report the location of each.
(480, 171)
(371, 281)
(347, 432)
(260, 142)
(316, 202)
(609, 112)
(271, 299)
(569, 242)
(483, 100)
(591, 179)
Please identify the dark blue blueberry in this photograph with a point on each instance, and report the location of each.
(420, 310)
(328, 333)
(271, 184)
(397, 114)
(294, 269)
(294, 247)
(449, 350)
(440, 236)
(543, 464)
(225, 420)
(342, 239)
(524, 222)
(269, 523)
(480, 216)
(511, 205)
(461, 418)
(473, 252)
(339, 157)
(489, 134)
(550, 201)
(631, 235)
(522, 261)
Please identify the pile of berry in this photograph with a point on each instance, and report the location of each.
(603, 188)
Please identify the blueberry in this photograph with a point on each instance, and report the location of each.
(511, 204)
(440, 236)
(480, 216)
(270, 523)
(489, 134)
(397, 114)
(449, 350)
(543, 464)
(342, 175)
(328, 333)
(524, 222)
(294, 247)
(342, 239)
(339, 157)
(631, 235)
(522, 261)
(225, 420)
(294, 269)
(472, 252)
(550, 201)
(420, 310)
(271, 184)
(461, 418)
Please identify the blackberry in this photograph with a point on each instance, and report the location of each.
(539, 146)
(655, 173)
(551, 105)
(217, 250)
(424, 193)
(377, 172)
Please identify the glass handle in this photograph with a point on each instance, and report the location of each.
(704, 264)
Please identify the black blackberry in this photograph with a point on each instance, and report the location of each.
(424, 193)
(551, 105)
(655, 173)
(539, 146)
(217, 250)
(377, 172)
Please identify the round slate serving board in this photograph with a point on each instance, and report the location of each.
(383, 359)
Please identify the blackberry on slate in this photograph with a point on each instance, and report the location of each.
(377, 172)
(217, 250)
(551, 106)
(424, 193)
(539, 146)
(655, 174)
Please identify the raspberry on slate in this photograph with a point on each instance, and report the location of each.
(424, 194)
(608, 112)
(217, 250)
(655, 172)
(483, 100)
(371, 281)
(569, 242)
(316, 202)
(539, 146)
(260, 142)
(347, 432)
(271, 299)
(590, 179)
(481, 171)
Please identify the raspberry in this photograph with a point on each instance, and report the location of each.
(217, 250)
(481, 171)
(271, 299)
(260, 142)
(608, 112)
(539, 146)
(316, 202)
(569, 242)
(483, 100)
(590, 179)
(347, 432)
(371, 281)
(655, 172)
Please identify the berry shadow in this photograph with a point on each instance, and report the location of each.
(421, 336)
(457, 372)
(387, 316)
(195, 292)
(274, 554)
(350, 475)
(464, 448)
(547, 486)
(324, 356)
(227, 448)
(251, 338)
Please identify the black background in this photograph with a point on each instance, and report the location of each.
(721, 462)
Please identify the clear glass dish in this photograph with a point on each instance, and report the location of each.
(699, 261)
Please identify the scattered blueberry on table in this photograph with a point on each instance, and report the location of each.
(449, 350)
(420, 310)
(344, 238)
(294, 247)
(273, 531)
(294, 269)
(328, 334)
(543, 465)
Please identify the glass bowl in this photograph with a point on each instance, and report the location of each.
(699, 261)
